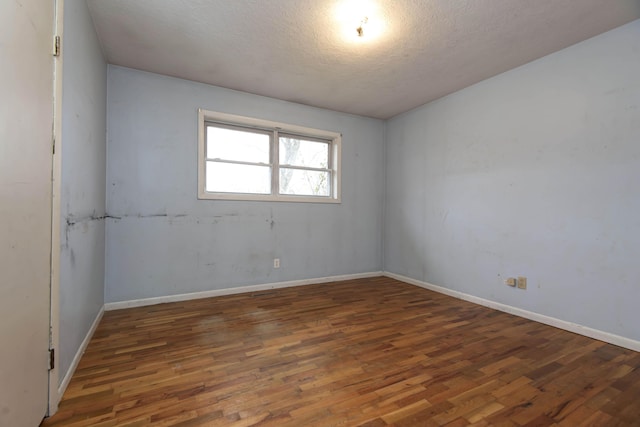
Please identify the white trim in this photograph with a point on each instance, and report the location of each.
(287, 128)
(56, 193)
(266, 198)
(76, 359)
(239, 290)
(541, 318)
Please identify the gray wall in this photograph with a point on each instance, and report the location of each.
(535, 172)
(83, 181)
(162, 241)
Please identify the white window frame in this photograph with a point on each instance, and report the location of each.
(334, 140)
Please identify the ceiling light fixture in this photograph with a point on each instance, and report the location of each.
(366, 17)
(360, 29)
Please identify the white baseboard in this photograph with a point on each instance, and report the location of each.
(79, 353)
(230, 291)
(547, 320)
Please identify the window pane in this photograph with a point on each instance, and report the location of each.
(300, 152)
(304, 182)
(238, 145)
(235, 178)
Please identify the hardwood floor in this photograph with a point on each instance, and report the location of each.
(369, 352)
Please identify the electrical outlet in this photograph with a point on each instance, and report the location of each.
(522, 282)
(276, 263)
(511, 281)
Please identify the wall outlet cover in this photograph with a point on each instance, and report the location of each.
(511, 281)
(522, 282)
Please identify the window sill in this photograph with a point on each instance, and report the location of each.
(266, 198)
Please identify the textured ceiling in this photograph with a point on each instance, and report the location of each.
(300, 51)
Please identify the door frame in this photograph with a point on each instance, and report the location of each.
(55, 394)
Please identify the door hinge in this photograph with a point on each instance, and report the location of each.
(56, 46)
(52, 359)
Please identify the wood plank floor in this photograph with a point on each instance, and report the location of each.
(370, 352)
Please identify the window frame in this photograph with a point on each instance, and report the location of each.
(333, 139)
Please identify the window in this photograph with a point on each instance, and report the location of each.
(241, 158)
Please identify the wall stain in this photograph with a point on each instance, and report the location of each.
(271, 221)
(151, 216)
(71, 221)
